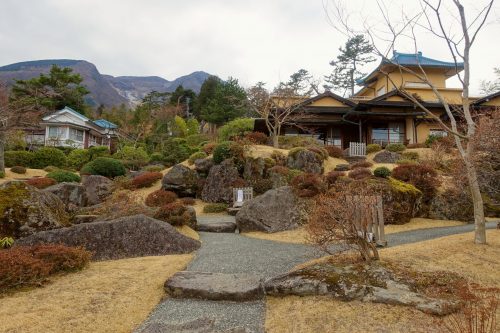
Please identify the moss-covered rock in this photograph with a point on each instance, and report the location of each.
(25, 210)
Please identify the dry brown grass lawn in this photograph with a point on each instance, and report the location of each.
(109, 296)
(264, 151)
(30, 173)
(455, 253)
(300, 236)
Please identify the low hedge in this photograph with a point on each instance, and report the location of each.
(159, 198)
(215, 208)
(46, 156)
(64, 176)
(15, 157)
(146, 179)
(395, 147)
(104, 166)
(41, 182)
(382, 172)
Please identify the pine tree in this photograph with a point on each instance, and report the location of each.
(347, 66)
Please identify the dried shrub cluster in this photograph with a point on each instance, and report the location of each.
(423, 177)
(31, 265)
(258, 138)
(332, 177)
(120, 204)
(360, 173)
(215, 208)
(174, 213)
(18, 169)
(308, 185)
(41, 182)
(146, 179)
(160, 197)
(361, 164)
(334, 151)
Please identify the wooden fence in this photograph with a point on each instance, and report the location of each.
(242, 194)
(368, 216)
(357, 149)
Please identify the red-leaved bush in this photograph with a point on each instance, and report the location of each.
(334, 151)
(421, 176)
(208, 148)
(147, 179)
(308, 185)
(360, 173)
(188, 201)
(258, 138)
(41, 182)
(159, 198)
(332, 177)
(31, 265)
(361, 164)
(175, 213)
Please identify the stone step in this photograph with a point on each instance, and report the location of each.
(215, 286)
(219, 227)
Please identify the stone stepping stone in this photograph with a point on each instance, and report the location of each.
(215, 286)
(227, 227)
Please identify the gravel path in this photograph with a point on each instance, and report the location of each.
(233, 253)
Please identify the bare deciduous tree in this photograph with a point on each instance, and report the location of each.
(457, 33)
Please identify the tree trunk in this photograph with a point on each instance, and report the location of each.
(477, 201)
(276, 139)
(2, 147)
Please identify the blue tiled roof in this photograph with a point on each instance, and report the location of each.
(104, 123)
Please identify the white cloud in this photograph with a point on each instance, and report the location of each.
(257, 40)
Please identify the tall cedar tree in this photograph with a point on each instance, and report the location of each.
(52, 91)
(229, 102)
(346, 68)
(207, 91)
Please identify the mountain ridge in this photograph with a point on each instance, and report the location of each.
(105, 89)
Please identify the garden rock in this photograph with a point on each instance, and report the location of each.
(203, 165)
(364, 282)
(276, 210)
(386, 157)
(451, 204)
(214, 286)
(78, 219)
(97, 188)
(342, 167)
(73, 195)
(192, 217)
(126, 237)
(219, 184)
(254, 168)
(306, 161)
(222, 227)
(25, 210)
(181, 180)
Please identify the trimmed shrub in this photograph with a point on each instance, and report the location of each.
(146, 179)
(334, 151)
(188, 201)
(373, 148)
(31, 265)
(196, 156)
(361, 164)
(48, 156)
(174, 213)
(257, 138)
(104, 166)
(209, 147)
(236, 128)
(215, 208)
(154, 168)
(229, 149)
(431, 139)
(132, 157)
(410, 155)
(41, 182)
(423, 177)
(78, 158)
(22, 158)
(176, 150)
(156, 157)
(196, 139)
(308, 185)
(360, 173)
(50, 168)
(395, 147)
(382, 172)
(159, 198)
(332, 177)
(64, 176)
(98, 151)
(18, 169)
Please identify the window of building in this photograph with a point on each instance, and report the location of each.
(381, 91)
(438, 132)
(76, 134)
(56, 132)
(384, 134)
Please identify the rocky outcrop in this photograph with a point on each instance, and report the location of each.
(386, 156)
(276, 210)
(452, 204)
(25, 210)
(191, 222)
(203, 166)
(126, 237)
(220, 182)
(78, 219)
(181, 180)
(73, 195)
(215, 286)
(364, 282)
(97, 188)
(305, 160)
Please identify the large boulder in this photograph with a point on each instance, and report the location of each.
(276, 210)
(181, 180)
(220, 182)
(203, 166)
(452, 204)
(73, 195)
(126, 237)
(97, 188)
(25, 210)
(386, 156)
(305, 160)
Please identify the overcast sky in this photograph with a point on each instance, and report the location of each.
(252, 40)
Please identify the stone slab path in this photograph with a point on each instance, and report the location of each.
(235, 254)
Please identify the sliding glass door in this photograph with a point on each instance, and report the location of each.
(385, 133)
